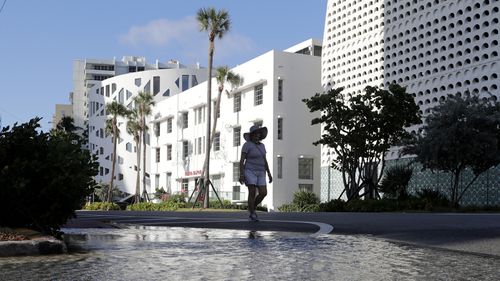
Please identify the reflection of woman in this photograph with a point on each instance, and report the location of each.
(253, 167)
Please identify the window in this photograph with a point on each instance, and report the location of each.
(185, 116)
(185, 186)
(199, 145)
(280, 128)
(169, 152)
(194, 81)
(258, 95)
(237, 102)
(120, 176)
(185, 82)
(199, 115)
(185, 151)
(236, 136)
(157, 181)
(157, 155)
(169, 125)
(280, 89)
(168, 183)
(236, 171)
(157, 129)
(306, 168)
(128, 147)
(305, 187)
(156, 85)
(236, 192)
(217, 141)
(280, 167)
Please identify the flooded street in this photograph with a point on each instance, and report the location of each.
(163, 253)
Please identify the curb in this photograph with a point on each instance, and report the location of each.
(39, 246)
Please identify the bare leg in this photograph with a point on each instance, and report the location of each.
(260, 197)
(251, 198)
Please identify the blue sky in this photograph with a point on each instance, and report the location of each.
(40, 39)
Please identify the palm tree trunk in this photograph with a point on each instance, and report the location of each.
(144, 155)
(209, 114)
(138, 181)
(113, 164)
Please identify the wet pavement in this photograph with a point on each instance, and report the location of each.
(180, 253)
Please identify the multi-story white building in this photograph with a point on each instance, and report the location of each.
(271, 94)
(162, 84)
(435, 48)
(89, 72)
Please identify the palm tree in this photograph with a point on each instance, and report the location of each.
(143, 103)
(217, 24)
(223, 75)
(134, 129)
(114, 109)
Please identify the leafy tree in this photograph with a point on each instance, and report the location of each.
(143, 105)
(67, 123)
(460, 134)
(134, 129)
(360, 129)
(44, 177)
(114, 109)
(217, 24)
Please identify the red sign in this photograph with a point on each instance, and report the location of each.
(192, 173)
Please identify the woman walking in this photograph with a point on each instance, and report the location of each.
(253, 168)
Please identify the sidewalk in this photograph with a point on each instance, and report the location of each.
(34, 244)
(477, 233)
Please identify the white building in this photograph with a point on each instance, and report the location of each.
(89, 72)
(271, 94)
(435, 48)
(162, 84)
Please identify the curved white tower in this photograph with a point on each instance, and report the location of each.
(436, 48)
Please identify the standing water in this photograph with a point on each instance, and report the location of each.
(170, 253)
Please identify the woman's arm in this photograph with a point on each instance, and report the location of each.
(243, 157)
(268, 171)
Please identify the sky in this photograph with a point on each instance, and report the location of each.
(40, 39)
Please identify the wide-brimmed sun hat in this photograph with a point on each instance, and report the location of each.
(255, 129)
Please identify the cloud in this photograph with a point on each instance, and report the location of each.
(184, 38)
(162, 32)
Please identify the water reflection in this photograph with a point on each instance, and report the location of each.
(160, 253)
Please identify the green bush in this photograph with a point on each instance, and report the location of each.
(44, 177)
(101, 206)
(395, 183)
(335, 205)
(432, 199)
(289, 208)
(149, 206)
(304, 198)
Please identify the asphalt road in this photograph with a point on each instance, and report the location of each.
(477, 233)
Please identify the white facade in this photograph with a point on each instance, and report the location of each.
(435, 48)
(285, 144)
(162, 84)
(89, 72)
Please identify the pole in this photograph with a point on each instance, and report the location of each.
(209, 119)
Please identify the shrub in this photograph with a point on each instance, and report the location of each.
(304, 198)
(102, 206)
(335, 205)
(395, 183)
(44, 177)
(149, 206)
(432, 199)
(289, 208)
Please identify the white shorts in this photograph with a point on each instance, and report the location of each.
(257, 178)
